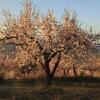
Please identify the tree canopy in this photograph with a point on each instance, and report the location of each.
(43, 40)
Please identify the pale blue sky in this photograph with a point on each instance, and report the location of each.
(87, 10)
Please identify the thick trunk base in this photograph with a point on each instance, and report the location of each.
(49, 80)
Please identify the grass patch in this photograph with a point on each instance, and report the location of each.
(23, 82)
(80, 81)
(77, 81)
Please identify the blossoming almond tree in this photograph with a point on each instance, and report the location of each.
(43, 41)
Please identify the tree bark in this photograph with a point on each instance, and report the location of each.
(49, 79)
(91, 73)
(74, 70)
(46, 67)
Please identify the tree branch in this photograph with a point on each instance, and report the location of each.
(8, 38)
(56, 64)
(52, 56)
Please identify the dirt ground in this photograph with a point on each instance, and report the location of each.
(50, 93)
(60, 91)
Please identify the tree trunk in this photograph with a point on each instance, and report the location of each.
(75, 73)
(64, 72)
(91, 73)
(68, 72)
(49, 80)
(74, 70)
(49, 76)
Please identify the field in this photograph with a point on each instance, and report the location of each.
(61, 89)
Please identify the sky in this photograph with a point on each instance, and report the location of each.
(88, 11)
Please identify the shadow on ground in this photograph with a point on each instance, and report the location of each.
(61, 89)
